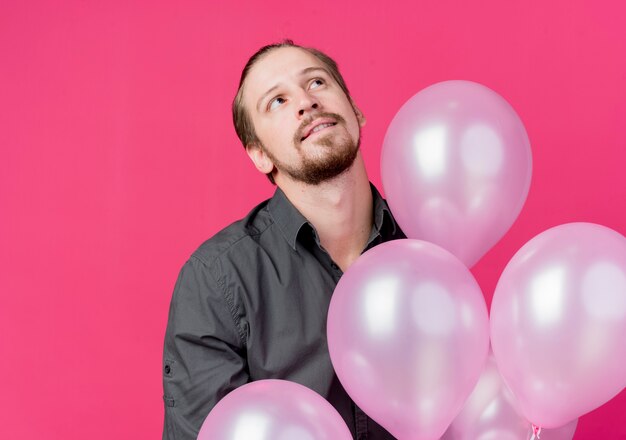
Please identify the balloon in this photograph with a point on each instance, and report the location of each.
(558, 322)
(273, 410)
(492, 413)
(456, 167)
(408, 336)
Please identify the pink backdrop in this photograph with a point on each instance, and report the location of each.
(119, 158)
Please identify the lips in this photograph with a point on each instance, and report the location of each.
(317, 125)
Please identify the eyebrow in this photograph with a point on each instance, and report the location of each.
(303, 72)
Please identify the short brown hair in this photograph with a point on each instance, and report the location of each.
(241, 118)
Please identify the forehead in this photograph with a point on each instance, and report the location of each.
(274, 68)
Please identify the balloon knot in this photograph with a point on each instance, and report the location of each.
(536, 432)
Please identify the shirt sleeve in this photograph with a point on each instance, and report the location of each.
(204, 351)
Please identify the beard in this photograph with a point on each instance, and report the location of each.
(337, 156)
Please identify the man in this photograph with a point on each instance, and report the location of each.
(251, 302)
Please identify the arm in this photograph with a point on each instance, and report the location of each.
(204, 353)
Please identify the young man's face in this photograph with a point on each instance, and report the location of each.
(308, 128)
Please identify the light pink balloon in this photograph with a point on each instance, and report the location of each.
(558, 322)
(408, 336)
(456, 167)
(273, 410)
(492, 413)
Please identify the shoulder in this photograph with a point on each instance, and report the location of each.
(237, 238)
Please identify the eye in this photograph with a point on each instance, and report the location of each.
(274, 103)
(316, 83)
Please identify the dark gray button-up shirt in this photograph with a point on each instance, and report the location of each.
(251, 303)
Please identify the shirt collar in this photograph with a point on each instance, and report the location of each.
(382, 213)
(286, 216)
(290, 221)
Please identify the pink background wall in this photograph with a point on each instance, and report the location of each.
(118, 158)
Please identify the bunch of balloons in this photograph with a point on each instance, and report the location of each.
(407, 325)
(408, 330)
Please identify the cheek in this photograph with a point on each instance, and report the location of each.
(354, 125)
(267, 133)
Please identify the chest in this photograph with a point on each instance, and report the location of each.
(285, 300)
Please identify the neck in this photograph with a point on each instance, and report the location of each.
(341, 210)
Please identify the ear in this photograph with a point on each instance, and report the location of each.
(359, 114)
(260, 159)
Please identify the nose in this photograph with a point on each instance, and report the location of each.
(307, 103)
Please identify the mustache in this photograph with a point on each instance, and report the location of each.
(300, 131)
